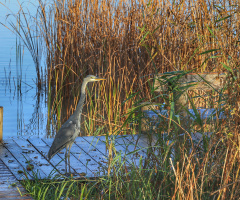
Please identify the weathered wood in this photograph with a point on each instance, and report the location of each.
(80, 161)
(124, 145)
(99, 148)
(36, 158)
(21, 155)
(94, 155)
(1, 123)
(11, 163)
(56, 162)
(198, 81)
(130, 147)
(101, 145)
(96, 143)
(89, 156)
(142, 143)
(9, 186)
(143, 140)
(5, 174)
(132, 153)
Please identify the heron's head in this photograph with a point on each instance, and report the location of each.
(91, 78)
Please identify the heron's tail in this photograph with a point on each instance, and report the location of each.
(50, 155)
(52, 152)
(54, 149)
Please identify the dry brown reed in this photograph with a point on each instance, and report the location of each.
(128, 42)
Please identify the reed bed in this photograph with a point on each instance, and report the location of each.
(128, 42)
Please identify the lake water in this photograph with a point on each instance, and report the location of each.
(25, 111)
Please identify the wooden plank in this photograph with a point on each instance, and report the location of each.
(98, 148)
(80, 158)
(145, 146)
(129, 152)
(142, 140)
(89, 155)
(21, 155)
(12, 194)
(5, 175)
(9, 185)
(42, 149)
(96, 143)
(80, 161)
(203, 81)
(130, 144)
(101, 152)
(36, 157)
(11, 162)
(145, 142)
(93, 153)
(99, 143)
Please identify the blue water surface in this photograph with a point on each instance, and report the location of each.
(24, 106)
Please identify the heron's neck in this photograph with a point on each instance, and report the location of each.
(78, 111)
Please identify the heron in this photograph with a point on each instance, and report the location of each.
(71, 128)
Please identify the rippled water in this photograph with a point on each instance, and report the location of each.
(25, 111)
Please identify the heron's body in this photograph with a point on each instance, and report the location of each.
(71, 128)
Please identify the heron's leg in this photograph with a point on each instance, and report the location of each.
(66, 153)
(70, 146)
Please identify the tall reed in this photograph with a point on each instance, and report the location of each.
(120, 41)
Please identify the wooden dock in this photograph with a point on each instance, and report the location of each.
(10, 188)
(89, 156)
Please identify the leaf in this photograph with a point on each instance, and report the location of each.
(219, 20)
(171, 112)
(209, 51)
(215, 56)
(226, 67)
(210, 31)
(196, 116)
(146, 34)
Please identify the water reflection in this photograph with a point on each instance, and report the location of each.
(37, 122)
(25, 111)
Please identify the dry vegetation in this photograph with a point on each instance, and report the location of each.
(127, 42)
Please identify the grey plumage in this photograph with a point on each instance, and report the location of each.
(71, 128)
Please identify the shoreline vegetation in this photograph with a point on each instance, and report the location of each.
(128, 43)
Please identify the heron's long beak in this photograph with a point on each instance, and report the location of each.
(99, 79)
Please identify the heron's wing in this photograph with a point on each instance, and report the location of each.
(63, 137)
